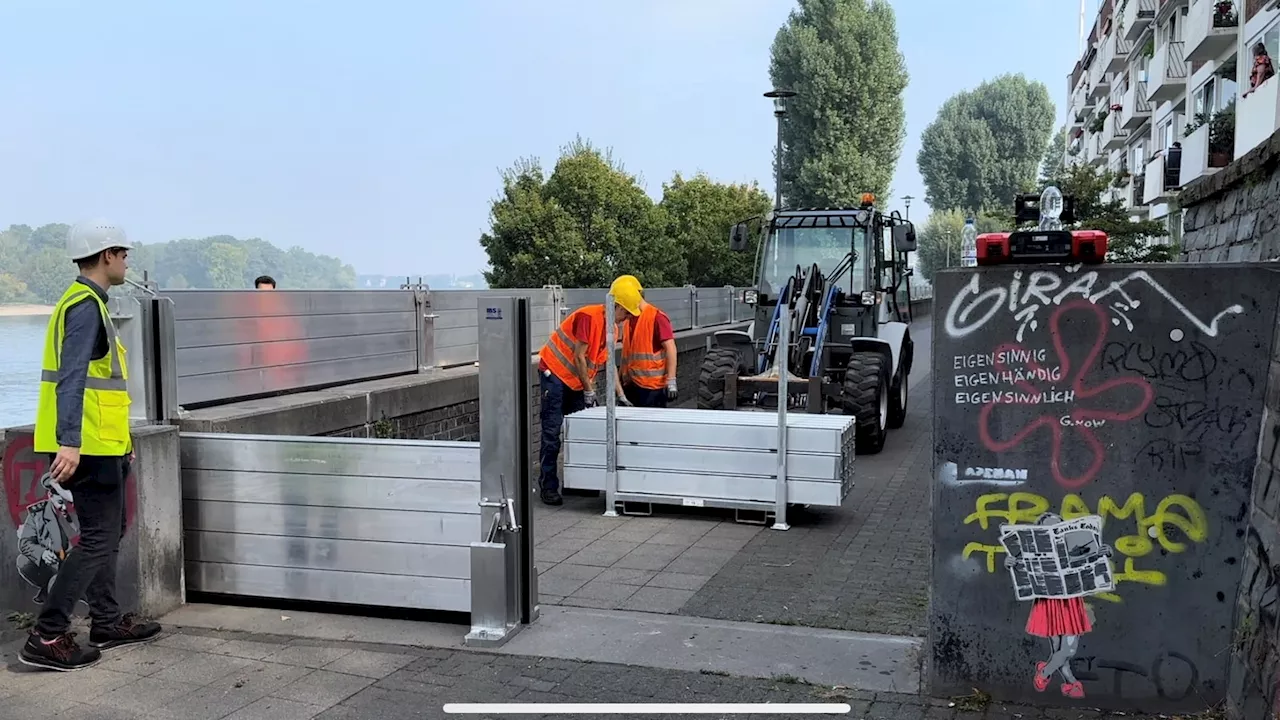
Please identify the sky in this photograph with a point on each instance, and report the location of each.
(376, 131)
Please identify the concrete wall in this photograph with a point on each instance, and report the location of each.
(150, 576)
(1131, 393)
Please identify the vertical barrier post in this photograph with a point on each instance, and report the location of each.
(426, 328)
(731, 314)
(693, 306)
(610, 411)
(504, 581)
(166, 359)
(558, 313)
(784, 350)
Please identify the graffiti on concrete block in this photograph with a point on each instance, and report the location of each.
(1056, 563)
(1093, 404)
(44, 537)
(1063, 560)
(1176, 521)
(972, 307)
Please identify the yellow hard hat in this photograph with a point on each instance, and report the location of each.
(627, 292)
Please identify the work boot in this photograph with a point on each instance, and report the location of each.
(62, 653)
(130, 630)
(551, 497)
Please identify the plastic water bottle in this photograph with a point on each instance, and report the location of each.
(969, 244)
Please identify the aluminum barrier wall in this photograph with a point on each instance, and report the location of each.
(342, 520)
(455, 332)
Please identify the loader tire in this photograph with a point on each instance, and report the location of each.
(898, 389)
(866, 398)
(718, 363)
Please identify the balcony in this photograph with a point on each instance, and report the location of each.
(1155, 185)
(1097, 156)
(1136, 188)
(1136, 17)
(1117, 52)
(1195, 155)
(1168, 74)
(1212, 29)
(1113, 136)
(1135, 109)
(1257, 116)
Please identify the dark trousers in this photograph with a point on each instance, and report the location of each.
(644, 397)
(97, 490)
(557, 401)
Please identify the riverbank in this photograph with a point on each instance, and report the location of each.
(20, 310)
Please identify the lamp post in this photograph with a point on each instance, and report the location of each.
(779, 98)
(907, 199)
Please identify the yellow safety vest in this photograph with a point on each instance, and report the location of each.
(104, 430)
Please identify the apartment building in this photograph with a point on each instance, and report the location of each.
(1156, 98)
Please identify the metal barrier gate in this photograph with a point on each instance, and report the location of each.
(413, 524)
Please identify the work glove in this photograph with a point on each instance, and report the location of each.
(623, 400)
(672, 391)
(48, 558)
(589, 398)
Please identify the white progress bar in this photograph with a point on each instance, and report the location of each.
(647, 708)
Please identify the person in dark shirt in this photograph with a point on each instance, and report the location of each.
(264, 282)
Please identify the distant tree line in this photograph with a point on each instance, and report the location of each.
(34, 267)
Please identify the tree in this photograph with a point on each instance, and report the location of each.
(843, 132)
(986, 145)
(699, 213)
(1054, 156)
(1127, 240)
(589, 222)
(938, 242)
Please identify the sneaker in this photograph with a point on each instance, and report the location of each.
(62, 653)
(551, 497)
(131, 630)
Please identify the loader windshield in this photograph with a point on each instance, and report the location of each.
(805, 246)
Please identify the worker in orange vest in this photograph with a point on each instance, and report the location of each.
(648, 371)
(567, 367)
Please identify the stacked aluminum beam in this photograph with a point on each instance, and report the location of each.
(712, 457)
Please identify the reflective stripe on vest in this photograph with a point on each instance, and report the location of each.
(643, 365)
(557, 353)
(105, 417)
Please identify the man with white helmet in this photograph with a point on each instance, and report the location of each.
(82, 420)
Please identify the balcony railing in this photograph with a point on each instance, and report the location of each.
(1168, 76)
(1156, 188)
(1257, 116)
(1211, 29)
(1117, 54)
(1135, 109)
(1113, 136)
(1195, 155)
(1135, 192)
(1136, 16)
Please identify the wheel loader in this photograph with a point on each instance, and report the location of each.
(843, 274)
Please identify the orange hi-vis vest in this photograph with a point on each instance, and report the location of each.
(643, 365)
(557, 354)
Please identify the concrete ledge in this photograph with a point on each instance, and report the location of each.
(150, 572)
(1261, 160)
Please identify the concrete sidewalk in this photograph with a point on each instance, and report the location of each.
(196, 674)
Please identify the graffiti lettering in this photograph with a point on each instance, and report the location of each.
(1009, 377)
(972, 307)
(1162, 453)
(1068, 421)
(1197, 418)
(1172, 675)
(1178, 512)
(1005, 357)
(986, 473)
(1012, 397)
(1117, 400)
(1193, 365)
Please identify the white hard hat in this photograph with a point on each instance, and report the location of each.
(91, 237)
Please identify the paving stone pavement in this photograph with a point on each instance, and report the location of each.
(194, 674)
(863, 567)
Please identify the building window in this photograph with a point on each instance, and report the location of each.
(1270, 39)
(1204, 99)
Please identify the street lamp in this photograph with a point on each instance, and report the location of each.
(779, 98)
(907, 199)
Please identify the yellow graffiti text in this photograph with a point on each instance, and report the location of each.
(1175, 511)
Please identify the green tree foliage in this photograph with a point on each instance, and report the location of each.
(581, 227)
(843, 132)
(699, 213)
(1127, 240)
(34, 267)
(1054, 155)
(986, 145)
(938, 242)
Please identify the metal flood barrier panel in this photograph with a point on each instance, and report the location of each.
(456, 333)
(243, 343)
(343, 520)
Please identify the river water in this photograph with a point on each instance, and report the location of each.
(21, 345)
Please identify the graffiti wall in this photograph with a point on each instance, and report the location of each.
(1095, 434)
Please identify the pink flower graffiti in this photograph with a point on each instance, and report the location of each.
(1088, 404)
